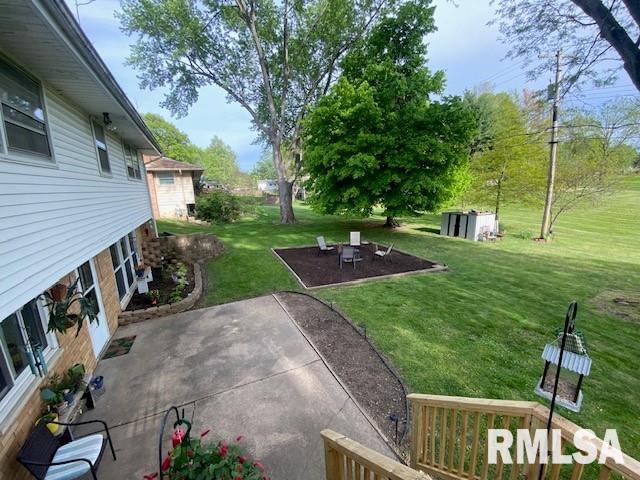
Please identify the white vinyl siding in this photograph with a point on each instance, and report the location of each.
(54, 219)
(173, 198)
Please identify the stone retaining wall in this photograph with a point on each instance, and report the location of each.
(183, 305)
(191, 248)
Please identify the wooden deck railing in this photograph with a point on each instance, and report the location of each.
(449, 440)
(346, 459)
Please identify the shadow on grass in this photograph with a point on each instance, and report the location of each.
(428, 230)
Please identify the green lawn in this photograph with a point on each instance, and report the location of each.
(477, 330)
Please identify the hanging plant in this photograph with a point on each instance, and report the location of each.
(60, 316)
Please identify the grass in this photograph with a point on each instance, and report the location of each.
(479, 329)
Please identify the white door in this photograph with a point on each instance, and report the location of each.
(98, 331)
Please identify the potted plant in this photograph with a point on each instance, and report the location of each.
(60, 316)
(196, 458)
(58, 291)
(50, 417)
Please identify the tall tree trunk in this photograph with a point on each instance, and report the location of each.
(285, 192)
(391, 222)
(285, 187)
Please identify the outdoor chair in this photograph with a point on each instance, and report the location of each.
(47, 458)
(383, 254)
(349, 254)
(354, 239)
(322, 246)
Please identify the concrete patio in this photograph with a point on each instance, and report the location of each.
(240, 369)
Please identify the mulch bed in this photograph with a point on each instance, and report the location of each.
(165, 285)
(353, 359)
(316, 270)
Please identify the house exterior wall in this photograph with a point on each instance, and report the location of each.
(173, 198)
(57, 215)
(153, 195)
(15, 429)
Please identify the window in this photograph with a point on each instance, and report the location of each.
(165, 178)
(21, 333)
(132, 162)
(124, 257)
(23, 115)
(101, 147)
(88, 284)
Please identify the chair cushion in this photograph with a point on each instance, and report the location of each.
(380, 253)
(88, 447)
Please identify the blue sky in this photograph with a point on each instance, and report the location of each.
(465, 47)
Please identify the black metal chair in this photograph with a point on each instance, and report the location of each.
(47, 458)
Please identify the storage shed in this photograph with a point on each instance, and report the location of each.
(471, 225)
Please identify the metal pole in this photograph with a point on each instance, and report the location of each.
(553, 154)
(571, 315)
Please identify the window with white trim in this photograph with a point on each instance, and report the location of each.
(24, 124)
(22, 335)
(165, 178)
(101, 147)
(132, 162)
(124, 258)
(87, 285)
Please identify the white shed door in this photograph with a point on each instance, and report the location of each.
(98, 331)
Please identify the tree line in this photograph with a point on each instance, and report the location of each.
(339, 90)
(218, 159)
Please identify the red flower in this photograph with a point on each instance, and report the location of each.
(239, 438)
(241, 459)
(177, 436)
(222, 449)
(166, 463)
(150, 476)
(265, 478)
(237, 478)
(258, 464)
(204, 433)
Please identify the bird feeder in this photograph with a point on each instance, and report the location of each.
(568, 354)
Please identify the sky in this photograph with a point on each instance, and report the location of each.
(464, 46)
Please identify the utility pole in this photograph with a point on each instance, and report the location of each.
(553, 154)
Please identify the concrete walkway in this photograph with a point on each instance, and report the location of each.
(240, 369)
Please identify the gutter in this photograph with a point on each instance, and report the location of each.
(59, 10)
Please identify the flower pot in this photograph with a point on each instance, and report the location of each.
(50, 417)
(58, 292)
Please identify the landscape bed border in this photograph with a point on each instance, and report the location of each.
(437, 267)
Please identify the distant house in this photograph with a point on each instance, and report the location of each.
(172, 186)
(268, 186)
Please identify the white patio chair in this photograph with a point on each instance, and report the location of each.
(382, 254)
(322, 245)
(354, 239)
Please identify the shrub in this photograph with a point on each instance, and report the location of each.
(218, 206)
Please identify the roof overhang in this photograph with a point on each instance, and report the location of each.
(43, 37)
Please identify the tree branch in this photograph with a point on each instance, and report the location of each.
(615, 34)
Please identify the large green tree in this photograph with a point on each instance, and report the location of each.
(508, 159)
(377, 138)
(173, 141)
(274, 58)
(596, 149)
(219, 162)
(264, 169)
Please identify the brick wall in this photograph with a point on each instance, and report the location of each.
(72, 350)
(108, 288)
